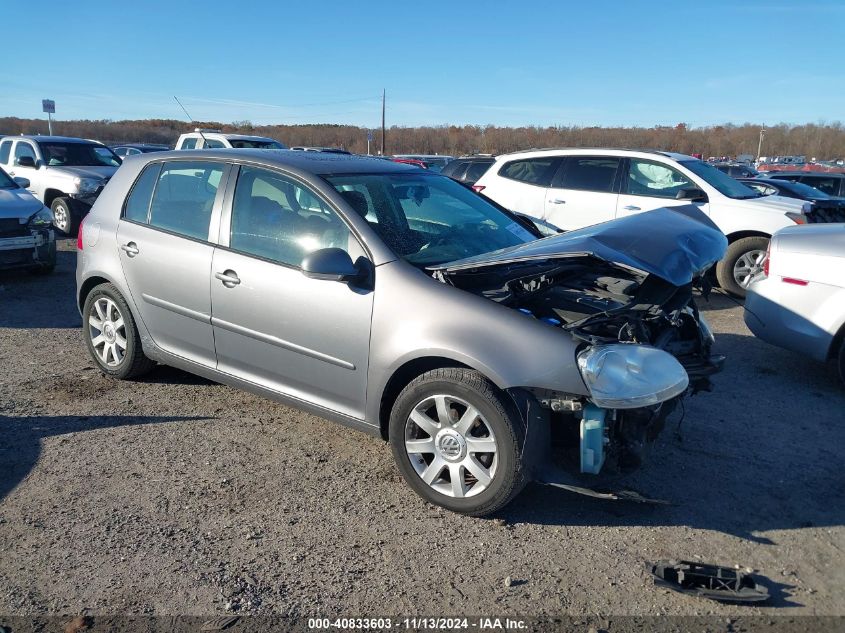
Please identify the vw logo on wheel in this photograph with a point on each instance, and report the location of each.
(449, 446)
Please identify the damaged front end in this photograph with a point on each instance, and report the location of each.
(624, 291)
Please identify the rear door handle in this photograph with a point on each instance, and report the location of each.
(229, 278)
(631, 207)
(557, 201)
(131, 249)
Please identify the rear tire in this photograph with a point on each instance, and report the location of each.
(457, 440)
(741, 263)
(63, 217)
(111, 335)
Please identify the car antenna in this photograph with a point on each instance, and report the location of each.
(191, 120)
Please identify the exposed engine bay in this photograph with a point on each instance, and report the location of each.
(602, 303)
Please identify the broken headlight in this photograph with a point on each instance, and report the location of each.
(41, 220)
(628, 376)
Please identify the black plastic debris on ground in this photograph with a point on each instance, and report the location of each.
(707, 581)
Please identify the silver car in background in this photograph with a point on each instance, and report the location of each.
(27, 239)
(799, 301)
(399, 302)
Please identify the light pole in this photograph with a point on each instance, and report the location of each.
(760, 144)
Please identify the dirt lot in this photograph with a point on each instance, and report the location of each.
(175, 495)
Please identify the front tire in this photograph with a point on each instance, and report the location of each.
(111, 334)
(742, 262)
(63, 217)
(457, 440)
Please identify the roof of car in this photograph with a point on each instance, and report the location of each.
(774, 173)
(52, 139)
(237, 137)
(314, 162)
(552, 150)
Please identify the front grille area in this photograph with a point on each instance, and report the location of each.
(11, 227)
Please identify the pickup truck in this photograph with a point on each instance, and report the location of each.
(66, 174)
(215, 139)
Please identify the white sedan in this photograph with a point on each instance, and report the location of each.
(799, 300)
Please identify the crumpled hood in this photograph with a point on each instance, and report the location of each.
(17, 203)
(92, 171)
(676, 244)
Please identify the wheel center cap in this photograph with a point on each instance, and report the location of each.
(451, 445)
(108, 332)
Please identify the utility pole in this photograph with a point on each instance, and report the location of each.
(760, 144)
(383, 95)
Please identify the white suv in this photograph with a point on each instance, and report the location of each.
(215, 139)
(573, 188)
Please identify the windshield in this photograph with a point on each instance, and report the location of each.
(78, 155)
(428, 219)
(6, 181)
(242, 143)
(720, 181)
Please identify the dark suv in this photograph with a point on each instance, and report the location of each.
(832, 183)
(468, 169)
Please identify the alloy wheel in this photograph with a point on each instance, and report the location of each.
(61, 219)
(748, 266)
(107, 331)
(451, 446)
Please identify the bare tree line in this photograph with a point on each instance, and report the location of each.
(820, 140)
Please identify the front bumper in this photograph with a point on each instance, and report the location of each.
(36, 249)
(773, 314)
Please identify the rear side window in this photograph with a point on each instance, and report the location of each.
(189, 143)
(476, 171)
(590, 173)
(138, 203)
(184, 195)
(5, 150)
(213, 143)
(534, 171)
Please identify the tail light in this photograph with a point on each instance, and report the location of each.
(767, 259)
(79, 235)
(478, 188)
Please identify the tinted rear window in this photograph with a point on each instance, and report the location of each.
(590, 173)
(476, 170)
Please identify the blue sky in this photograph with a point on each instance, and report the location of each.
(602, 62)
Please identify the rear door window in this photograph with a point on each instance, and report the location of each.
(137, 207)
(184, 196)
(590, 173)
(476, 171)
(533, 171)
(5, 151)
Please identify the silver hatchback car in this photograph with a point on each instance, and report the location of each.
(399, 302)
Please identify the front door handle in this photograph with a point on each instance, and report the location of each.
(557, 201)
(131, 249)
(631, 207)
(229, 278)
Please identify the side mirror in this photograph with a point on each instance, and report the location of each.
(23, 183)
(330, 264)
(693, 194)
(25, 161)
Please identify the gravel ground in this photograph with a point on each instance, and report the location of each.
(175, 495)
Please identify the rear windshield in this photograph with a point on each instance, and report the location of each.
(241, 143)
